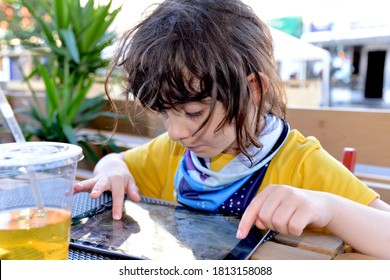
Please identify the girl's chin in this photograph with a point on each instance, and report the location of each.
(202, 152)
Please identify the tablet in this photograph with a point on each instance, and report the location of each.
(160, 230)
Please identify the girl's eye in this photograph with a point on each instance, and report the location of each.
(194, 115)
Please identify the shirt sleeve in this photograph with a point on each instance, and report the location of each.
(303, 163)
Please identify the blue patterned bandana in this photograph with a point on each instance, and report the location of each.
(201, 188)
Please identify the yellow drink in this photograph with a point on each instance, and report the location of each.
(26, 234)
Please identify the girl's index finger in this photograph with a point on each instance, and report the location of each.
(118, 201)
(249, 217)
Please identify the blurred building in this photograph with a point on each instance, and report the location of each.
(360, 49)
(356, 33)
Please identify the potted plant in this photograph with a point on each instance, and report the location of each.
(75, 36)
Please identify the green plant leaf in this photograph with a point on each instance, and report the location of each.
(78, 100)
(61, 13)
(51, 90)
(98, 26)
(91, 109)
(70, 43)
(70, 134)
(76, 36)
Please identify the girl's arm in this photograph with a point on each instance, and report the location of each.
(366, 229)
(290, 210)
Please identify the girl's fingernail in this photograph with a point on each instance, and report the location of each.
(94, 191)
(116, 216)
(239, 234)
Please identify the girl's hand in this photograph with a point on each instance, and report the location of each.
(286, 210)
(111, 174)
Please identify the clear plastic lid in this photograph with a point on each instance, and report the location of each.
(38, 155)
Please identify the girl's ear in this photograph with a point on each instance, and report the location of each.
(255, 86)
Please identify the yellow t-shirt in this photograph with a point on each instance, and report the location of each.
(301, 163)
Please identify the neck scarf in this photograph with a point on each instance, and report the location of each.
(199, 187)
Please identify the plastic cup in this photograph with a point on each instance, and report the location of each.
(28, 170)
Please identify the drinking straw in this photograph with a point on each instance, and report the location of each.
(9, 117)
(13, 125)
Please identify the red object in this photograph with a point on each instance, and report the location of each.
(349, 159)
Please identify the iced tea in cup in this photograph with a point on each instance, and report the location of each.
(36, 195)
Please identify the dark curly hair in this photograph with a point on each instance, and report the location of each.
(215, 42)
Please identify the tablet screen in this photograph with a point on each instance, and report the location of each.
(154, 229)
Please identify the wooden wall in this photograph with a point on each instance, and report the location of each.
(368, 131)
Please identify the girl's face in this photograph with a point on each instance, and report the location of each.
(183, 122)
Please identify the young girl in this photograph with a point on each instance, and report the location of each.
(206, 67)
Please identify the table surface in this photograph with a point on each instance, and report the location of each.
(310, 245)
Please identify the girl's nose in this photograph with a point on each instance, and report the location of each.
(177, 130)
